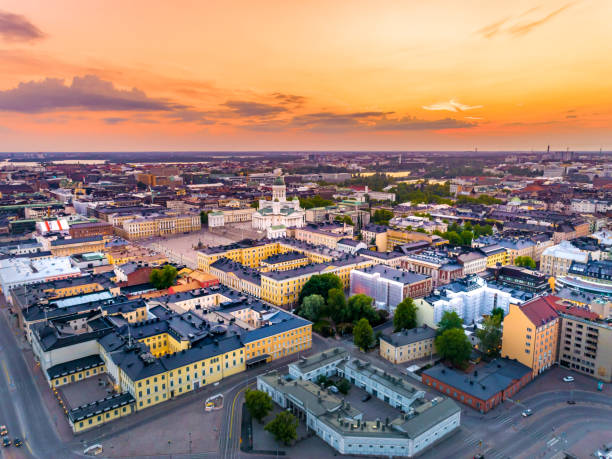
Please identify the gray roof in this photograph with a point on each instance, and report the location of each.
(415, 335)
(308, 364)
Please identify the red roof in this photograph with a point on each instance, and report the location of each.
(573, 310)
(541, 310)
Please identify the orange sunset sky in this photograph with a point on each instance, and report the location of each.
(286, 75)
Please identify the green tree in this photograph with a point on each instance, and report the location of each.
(315, 201)
(454, 346)
(320, 284)
(283, 427)
(382, 216)
(525, 261)
(344, 386)
(405, 316)
(255, 205)
(204, 218)
(344, 219)
(360, 306)
(363, 334)
(498, 312)
(490, 336)
(164, 277)
(449, 320)
(336, 304)
(453, 238)
(466, 237)
(258, 403)
(313, 307)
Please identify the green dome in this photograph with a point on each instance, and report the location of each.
(279, 180)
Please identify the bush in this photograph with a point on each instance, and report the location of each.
(343, 386)
(323, 327)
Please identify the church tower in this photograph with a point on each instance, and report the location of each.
(279, 190)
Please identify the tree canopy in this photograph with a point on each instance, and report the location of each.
(360, 306)
(283, 427)
(313, 307)
(405, 315)
(320, 284)
(336, 304)
(315, 201)
(164, 277)
(449, 320)
(454, 346)
(258, 403)
(363, 335)
(525, 261)
(382, 216)
(490, 336)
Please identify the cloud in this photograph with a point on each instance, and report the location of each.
(248, 109)
(84, 93)
(525, 28)
(570, 116)
(451, 106)
(517, 26)
(190, 115)
(289, 99)
(357, 121)
(15, 28)
(115, 120)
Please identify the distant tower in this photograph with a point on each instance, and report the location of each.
(279, 190)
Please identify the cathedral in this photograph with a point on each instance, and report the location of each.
(279, 212)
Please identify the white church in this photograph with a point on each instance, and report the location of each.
(277, 215)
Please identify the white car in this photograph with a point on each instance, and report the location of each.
(527, 413)
(568, 379)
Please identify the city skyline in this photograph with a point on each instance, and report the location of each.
(316, 76)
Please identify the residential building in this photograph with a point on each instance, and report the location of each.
(482, 388)
(80, 230)
(439, 267)
(473, 262)
(73, 246)
(408, 345)
(523, 279)
(351, 246)
(393, 259)
(389, 286)
(556, 260)
(326, 234)
(531, 333)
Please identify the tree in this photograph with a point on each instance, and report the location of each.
(498, 312)
(343, 386)
(360, 306)
(314, 201)
(449, 320)
(490, 336)
(454, 346)
(312, 307)
(258, 403)
(405, 315)
(204, 218)
(453, 238)
(255, 205)
(466, 237)
(164, 277)
(320, 284)
(363, 334)
(525, 261)
(382, 216)
(344, 219)
(283, 427)
(336, 304)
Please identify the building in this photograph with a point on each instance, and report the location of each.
(531, 333)
(284, 261)
(393, 259)
(351, 246)
(279, 211)
(162, 224)
(80, 230)
(439, 267)
(496, 255)
(375, 235)
(471, 298)
(482, 388)
(408, 345)
(326, 234)
(473, 262)
(556, 260)
(343, 427)
(523, 279)
(73, 246)
(389, 286)
(20, 271)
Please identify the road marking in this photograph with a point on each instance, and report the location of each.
(232, 413)
(8, 376)
(552, 441)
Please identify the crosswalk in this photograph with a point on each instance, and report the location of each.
(505, 420)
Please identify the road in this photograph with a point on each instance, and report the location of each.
(21, 406)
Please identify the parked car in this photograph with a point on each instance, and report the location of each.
(568, 379)
(3, 431)
(17, 442)
(334, 389)
(6, 441)
(527, 413)
(366, 397)
(571, 402)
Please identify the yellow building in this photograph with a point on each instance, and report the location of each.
(120, 255)
(530, 334)
(284, 262)
(67, 247)
(407, 345)
(157, 225)
(496, 255)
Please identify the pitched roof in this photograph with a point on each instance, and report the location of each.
(540, 310)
